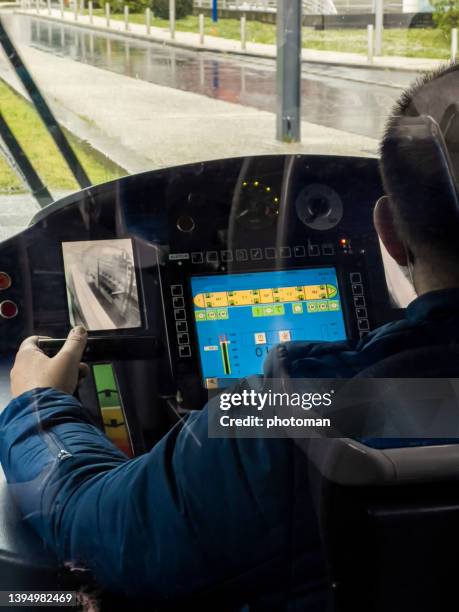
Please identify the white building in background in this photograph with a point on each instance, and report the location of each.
(417, 6)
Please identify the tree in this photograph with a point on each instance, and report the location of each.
(183, 8)
(446, 14)
(117, 6)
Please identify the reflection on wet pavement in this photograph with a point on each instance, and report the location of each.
(350, 99)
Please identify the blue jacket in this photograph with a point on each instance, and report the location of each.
(233, 517)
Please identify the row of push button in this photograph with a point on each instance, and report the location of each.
(181, 323)
(363, 324)
(8, 308)
(259, 254)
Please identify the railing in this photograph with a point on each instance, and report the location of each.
(310, 7)
(321, 7)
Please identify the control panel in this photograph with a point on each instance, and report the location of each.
(210, 265)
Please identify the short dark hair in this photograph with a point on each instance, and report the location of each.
(410, 176)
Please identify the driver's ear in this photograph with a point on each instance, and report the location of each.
(384, 223)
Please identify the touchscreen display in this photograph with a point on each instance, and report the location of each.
(240, 317)
(101, 284)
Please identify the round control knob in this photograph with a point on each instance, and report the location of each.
(185, 223)
(319, 207)
(5, 280)
(8, 309)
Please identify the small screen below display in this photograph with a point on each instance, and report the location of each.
(240, 317)
(101, 284)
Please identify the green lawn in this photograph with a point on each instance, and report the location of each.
(42, 152)
(419, 42)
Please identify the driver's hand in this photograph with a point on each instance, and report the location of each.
(32, 368)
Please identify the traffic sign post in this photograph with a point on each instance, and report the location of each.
(172, 18)
(289, 14)
(379, 25)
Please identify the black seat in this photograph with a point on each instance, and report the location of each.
(25, 564)
(390, 516)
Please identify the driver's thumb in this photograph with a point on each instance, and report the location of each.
(74, 346)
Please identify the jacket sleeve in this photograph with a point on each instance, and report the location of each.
(191, 513)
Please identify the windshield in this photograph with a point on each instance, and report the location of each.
(148, 85)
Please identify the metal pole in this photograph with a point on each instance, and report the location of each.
(126, 17)
(49, 6)
(148, 20)
(43, 109)
(201, 71)
(75, 10)
(371, 42)
(243, 32)
(453, 44)
(289, 70)
(20, 161)
(62, 8)
(379, 24)
(107, 14)
(215, 11)
(201, 28)
(90, 10)
(172, 18)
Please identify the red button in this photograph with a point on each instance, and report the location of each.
(5, 280)
(8, 309)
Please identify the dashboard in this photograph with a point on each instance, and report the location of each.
(186, 277)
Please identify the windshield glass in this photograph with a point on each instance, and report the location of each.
(151, 84)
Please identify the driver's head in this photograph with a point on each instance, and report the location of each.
(413, 221)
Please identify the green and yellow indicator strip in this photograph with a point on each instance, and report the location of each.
(110, 407)
(225, 355)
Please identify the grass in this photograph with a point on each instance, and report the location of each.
(416, 42)
(43, 153)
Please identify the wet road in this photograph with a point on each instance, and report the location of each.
(355, 100)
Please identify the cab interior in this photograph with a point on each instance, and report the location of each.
(143, 262)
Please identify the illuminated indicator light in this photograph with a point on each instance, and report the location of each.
(8, 309)
(343, 241)
(276, 200)
(256, 183)
(244, 184)
(5, 280)
(284, 335)
(268, 188)
(211, 383)
(222, 313)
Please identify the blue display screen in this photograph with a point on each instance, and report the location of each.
(240, 317)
